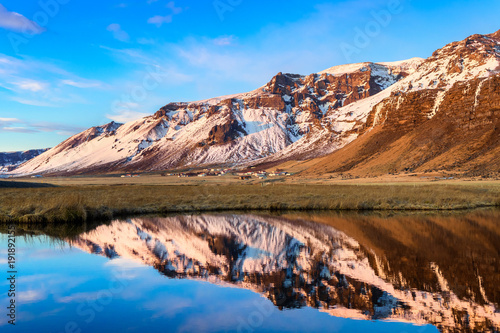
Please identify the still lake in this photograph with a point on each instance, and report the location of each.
(324, 272)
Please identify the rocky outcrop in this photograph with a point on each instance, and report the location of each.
(227, 132)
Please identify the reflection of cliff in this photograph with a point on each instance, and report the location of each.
(302, 263)
(465, 248)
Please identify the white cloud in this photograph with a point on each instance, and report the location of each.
(130, 55)
(146, 41)
(80, 297)
(23, 126)
(32, 102)
(62, 129)
(30, 85)
(82, 84)
(36, 83)
(158, 20)
(18, 129)
(31, 296)
(118, 32)
(123, 116)
(9, 120)
(224, 40)
(175, 10)
(17, 22)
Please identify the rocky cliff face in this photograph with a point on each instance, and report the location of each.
(445, 116)
(301, 263)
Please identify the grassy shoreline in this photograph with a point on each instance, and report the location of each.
(97, 202)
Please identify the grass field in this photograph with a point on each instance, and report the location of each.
(79, 200)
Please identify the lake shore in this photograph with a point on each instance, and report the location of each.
(57, 201)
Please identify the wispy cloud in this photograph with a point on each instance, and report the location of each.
(59, 128)
(18, 129)
(159, 20)
(32, 102)
(224, 40)
(175, 10)
(16, 22)
(118, 32)
(82, 83)
(79, 297)
(23, 126)
(130, 55)
(145, 41)
(36, 83)
(30, 85)
(157, 62)
(126, 115)
(31, 296)
(8, 120)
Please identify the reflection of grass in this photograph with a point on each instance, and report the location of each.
(58, 232)
(83, 203)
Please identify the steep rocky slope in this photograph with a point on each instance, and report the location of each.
(229, 130)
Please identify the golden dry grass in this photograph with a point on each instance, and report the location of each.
(85, 203)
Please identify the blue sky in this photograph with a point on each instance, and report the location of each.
(66, 65)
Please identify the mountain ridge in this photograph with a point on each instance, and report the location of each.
(296, 117)
(11, 159)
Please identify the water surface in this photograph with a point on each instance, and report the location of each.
(261, 273)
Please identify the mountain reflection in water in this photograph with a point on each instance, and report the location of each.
(422, 269)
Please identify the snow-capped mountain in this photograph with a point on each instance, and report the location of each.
(9, 160)
(297, 263)
(295, 117)
(232, 129)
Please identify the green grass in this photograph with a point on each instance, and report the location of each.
(88, 203)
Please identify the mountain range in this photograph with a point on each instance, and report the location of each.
(10, 160)
(366, 119)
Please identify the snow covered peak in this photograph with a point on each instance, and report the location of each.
(477, 56)
(408, 66)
